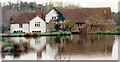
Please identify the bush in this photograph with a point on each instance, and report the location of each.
(61, 34)
(35, 34)
(28, 34)
(118, 28)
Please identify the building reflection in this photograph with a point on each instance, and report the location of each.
(55, 47)
(89, 44)
(33, 45)
(38, 43)
(83, 45)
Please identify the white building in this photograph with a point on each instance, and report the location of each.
(28, 22)
(35, 25)
(52, 15)
(33, 21)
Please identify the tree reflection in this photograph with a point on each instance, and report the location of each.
(55, 47)
(14, 49)
(58, 39)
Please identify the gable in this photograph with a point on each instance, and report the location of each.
(37, 19)
(54, 13)
(51, 14)
(60, 15)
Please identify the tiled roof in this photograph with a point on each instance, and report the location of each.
(26, 17)
(81, 14)
(77, 15)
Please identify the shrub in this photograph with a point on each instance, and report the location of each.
(118, 28)
(28, 34)
(35, 34)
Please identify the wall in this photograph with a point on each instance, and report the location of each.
(51, 14)
(100, 28)
(0, 17)
(103, 28)
(15, 27)
(42, 27)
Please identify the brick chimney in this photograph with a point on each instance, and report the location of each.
(38, 10)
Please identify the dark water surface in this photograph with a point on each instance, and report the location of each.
(59, 47)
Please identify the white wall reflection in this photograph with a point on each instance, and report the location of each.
(115, 49)
(28, 56)
(49, 53)
(19, 39)
(38, 43)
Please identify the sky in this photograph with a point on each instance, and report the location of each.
(113, 4)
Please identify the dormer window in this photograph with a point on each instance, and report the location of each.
(37, 24)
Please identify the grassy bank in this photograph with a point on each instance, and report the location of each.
(105, 32)
(37, 34)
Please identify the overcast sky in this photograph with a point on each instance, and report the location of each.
(84, 3)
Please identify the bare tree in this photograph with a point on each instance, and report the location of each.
(69, 25)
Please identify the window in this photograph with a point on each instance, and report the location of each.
(36, 31)
(19, 31)
(53, 18)
(37, 24)
(15, 32)
(79, 25)
(20, 25)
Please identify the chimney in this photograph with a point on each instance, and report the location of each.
(38, 9)
(39, 12)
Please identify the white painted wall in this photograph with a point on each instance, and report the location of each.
(42, 27)
(1, 17)
(25, 28)
(15, 27)
(51, 14)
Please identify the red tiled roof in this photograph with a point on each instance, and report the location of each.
(77, 15)
(81, 14)
(26, 17)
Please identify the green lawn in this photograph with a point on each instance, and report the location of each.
(37, 34)
(105, 32)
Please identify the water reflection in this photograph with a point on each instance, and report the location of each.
(58, 47)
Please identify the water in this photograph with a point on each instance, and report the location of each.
(74, 47)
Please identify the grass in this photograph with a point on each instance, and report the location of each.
(37, 34)
(58, 33)
(11, 35)
(55, 33)
(105, 32)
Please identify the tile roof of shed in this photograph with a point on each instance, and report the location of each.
(81, 14)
